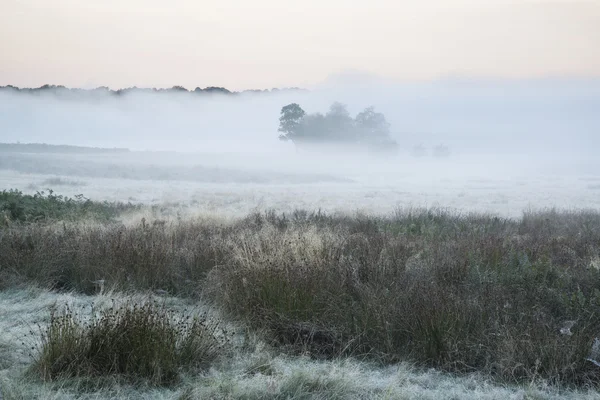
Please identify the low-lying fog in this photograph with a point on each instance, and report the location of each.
(511, 145)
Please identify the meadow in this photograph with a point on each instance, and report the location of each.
(115, 299)
(234, 184)
(420, 219)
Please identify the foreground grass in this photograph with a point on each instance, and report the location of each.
(515, 300)
(253, 371)
(132, 341)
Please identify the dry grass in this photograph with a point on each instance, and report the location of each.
(75, 256)
(460, 293)
(255, 371)
(138, 342)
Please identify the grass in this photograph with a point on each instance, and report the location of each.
(459, 293)
(517, 301)
(135, 341)
(254, 371)
(73, 256)
(100, 167)
(59, 149)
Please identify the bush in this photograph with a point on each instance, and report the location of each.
(137, 342)
(16, 207)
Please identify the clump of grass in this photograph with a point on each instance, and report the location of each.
(136, 342)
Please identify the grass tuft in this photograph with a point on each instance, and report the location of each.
(137, 342)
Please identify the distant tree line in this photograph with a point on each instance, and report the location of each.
(59, 89)
(60, 149)
(368, 130)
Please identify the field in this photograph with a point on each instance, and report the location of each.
(420, 278)
(234, 184)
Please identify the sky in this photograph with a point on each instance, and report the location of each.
(241, 44)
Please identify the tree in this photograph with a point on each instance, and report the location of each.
(339, 126)
(372, 125)
(290, 121)
(441, 151)
(374, 130)
(369, 129)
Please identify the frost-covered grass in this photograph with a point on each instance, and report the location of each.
(253, 371)
(514, 299)
(419, 303)
(135, 341)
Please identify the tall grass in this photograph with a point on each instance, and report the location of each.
(75, 256)
(254, 371)
(458, 292)
(137, 342)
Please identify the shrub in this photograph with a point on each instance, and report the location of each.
(16, 207)
(137, 342)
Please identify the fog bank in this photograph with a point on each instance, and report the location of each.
(494, 125)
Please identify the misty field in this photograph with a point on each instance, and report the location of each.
(114, 299)
(297, 275)
(300, 200)
(234, 184)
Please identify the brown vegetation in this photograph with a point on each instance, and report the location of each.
(518, 300)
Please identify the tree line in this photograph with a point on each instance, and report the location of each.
(60, 89)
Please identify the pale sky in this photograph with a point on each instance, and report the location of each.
(243, 44)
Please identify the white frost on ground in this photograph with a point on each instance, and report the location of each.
(254, 373)
(506, 196)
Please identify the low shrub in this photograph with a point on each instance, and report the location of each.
(16, 207)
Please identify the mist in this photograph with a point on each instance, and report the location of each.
(489, 116)
(494, 131)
